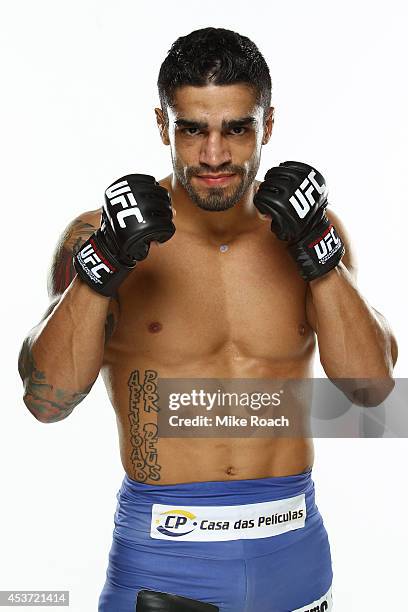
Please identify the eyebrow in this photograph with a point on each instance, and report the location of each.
(226, 125)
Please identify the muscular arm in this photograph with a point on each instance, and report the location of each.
(355, 341)
(61, 357)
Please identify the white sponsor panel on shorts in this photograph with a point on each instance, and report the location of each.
(221, 523)
(324, 604)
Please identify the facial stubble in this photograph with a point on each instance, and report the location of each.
(217, 199)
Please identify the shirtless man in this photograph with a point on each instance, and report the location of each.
(207, 524)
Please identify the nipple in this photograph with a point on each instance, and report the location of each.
(154, 327)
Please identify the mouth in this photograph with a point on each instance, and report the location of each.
(215, 180)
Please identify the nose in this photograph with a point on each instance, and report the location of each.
(214, 150)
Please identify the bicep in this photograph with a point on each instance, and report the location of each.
(350, 262)
(62, 271)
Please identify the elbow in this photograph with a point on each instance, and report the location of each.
(42, 413)
(373, 393)
(372, 387)
(366, 392)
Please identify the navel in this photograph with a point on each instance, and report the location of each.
(301, 329)
(154, 327)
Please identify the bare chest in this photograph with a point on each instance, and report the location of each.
(191, 302)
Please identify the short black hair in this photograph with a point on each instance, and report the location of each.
(214, 56)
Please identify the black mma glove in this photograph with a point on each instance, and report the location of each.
(137, 210)
(295, 195)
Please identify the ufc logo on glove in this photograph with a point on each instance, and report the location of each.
(120, 193)
(299, 201)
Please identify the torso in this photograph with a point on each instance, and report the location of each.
(192, 311)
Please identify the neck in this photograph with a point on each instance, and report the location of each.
(222, 225)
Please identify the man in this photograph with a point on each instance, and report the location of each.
(223, 297)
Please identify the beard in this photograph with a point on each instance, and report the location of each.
(217, 198)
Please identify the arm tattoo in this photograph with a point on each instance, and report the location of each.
(63, 272)
(143, 397)
(41, 398)
(62, 269)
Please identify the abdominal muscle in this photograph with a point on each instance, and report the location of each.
(148, 458)
(200, 460)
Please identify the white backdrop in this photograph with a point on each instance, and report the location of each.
(78, 91)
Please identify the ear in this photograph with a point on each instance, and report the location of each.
(268, 125)
(162, 124)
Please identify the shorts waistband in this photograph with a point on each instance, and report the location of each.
(219, 492)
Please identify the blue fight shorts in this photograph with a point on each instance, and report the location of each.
(243, 545)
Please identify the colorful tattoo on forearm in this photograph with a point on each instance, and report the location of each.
(45, 402)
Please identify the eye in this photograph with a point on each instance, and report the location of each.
(238, 131)
(191, 131)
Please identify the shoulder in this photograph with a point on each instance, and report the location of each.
(62, 270)
(81, 227)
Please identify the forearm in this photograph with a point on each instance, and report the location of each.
(354, 342)
(62, 356)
